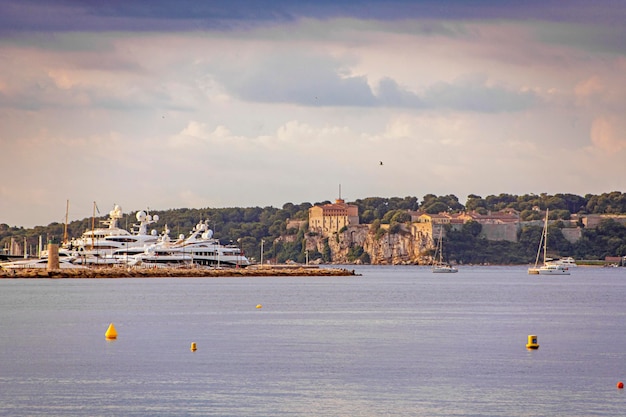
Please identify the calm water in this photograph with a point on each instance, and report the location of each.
(396, 341)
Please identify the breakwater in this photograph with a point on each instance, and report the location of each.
(118, 272)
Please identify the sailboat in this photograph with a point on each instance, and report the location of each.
(547, 268)
(440, 267)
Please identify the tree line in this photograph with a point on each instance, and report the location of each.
(246, 227)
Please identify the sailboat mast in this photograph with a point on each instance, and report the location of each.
(545, 237)
(440, 245)
(93, 224)
(67, 209)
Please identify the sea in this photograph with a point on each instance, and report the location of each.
(391, 341)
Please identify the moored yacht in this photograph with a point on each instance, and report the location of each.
(98, 245)
(548, 267)
(200, 248)
(439, 266)
(65, 262)
(551, 269)
(568, 262)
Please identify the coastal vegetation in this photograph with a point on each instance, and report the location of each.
(249, 227)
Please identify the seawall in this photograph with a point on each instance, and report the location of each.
(118, 272)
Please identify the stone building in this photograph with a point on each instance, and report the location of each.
(501, 225)
(331, 218)
(495, 226)
(426, 227)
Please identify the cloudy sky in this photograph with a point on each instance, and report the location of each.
(169, 104)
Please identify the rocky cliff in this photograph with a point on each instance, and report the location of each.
(383, 247)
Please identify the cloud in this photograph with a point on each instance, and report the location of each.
(608, 133)
(293, 77)
(469, 94)
(589, 87)
(228, 15)
(472, 94)
(260, 111)
(312, 80)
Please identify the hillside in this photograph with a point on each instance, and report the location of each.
(387, 244)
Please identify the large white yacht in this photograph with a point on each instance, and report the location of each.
(65, 262)
(200, 248)
(98, 245)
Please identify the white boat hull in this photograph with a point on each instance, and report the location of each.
(549, 270)
(444, 270)
(553, 270)
(37, 264)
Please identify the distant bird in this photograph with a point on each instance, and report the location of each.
(381, 162)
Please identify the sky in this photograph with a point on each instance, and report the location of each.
(192, 104)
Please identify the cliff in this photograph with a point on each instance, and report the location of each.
(383, 247)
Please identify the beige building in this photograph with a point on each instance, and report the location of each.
(428, 227)
(591, 221)
(495, 226)
(331, 218)
(501, 225)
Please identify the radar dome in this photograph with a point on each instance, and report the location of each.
(155, 217)
(141, 216)
(116, 213)
(153, 232)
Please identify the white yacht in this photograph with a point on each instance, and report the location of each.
(568, 262)
(65, 262)
(98, 245)
(200, 248)
(552, 269)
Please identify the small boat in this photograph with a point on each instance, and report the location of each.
(548, 268)
(439, 266)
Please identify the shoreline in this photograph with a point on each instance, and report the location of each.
(117, 272)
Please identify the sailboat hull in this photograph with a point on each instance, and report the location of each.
(551, 269)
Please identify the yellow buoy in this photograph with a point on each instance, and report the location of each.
(532, 342)
(193, 346)
(259, 306)
(111, 333)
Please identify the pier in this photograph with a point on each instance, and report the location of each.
(195, 272)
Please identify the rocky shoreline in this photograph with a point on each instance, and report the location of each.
(117, 272)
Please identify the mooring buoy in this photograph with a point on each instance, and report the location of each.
(532, 342)
(111, 333)
(259, 306)
(193, 347)
(620, 385)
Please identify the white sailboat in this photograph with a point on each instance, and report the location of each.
(439, 266)
(547, 268)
